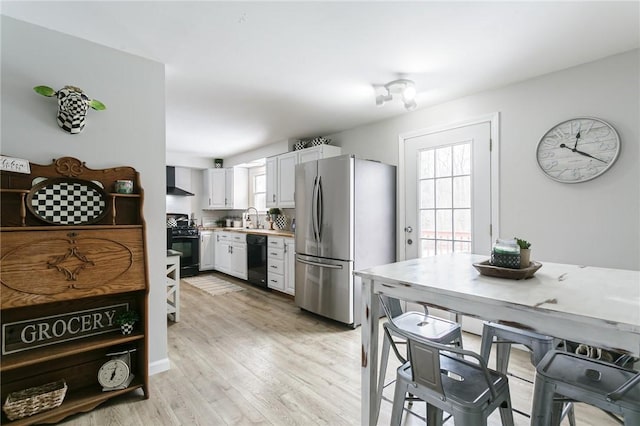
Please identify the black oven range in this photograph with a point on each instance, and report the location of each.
(182, 236)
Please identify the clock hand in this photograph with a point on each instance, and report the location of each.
(113, 374)
(577, 137)
(588, 155)
(581, 153)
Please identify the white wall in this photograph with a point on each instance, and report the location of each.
(270, 150)
(130, 132)
(593, 223)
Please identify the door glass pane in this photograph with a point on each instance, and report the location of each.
(427, 248)
(427, 199)
(427, 224)
(462, 159)
(462, 224)
(426, 166)
(444, 247)
(462, 191)
(443, 224)
(443, 161)
(461, 247)
(443, 193)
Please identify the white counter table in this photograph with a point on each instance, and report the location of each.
(597, 306)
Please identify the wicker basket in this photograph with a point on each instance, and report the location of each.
(30, 401)
(505, 260)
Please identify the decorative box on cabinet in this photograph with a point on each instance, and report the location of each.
(64, 278)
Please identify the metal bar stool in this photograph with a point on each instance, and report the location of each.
(422, 324)
(577, 378)
(449, 379)
(505, 336)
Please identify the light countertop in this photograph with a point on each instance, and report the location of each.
(273, 232)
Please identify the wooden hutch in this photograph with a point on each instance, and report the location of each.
(66, 268)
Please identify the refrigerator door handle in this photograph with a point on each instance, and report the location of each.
(314, 202)
(322, 265)
(320, 208)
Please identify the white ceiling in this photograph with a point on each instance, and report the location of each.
(244, 74)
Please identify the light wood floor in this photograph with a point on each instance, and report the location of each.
(253, 357)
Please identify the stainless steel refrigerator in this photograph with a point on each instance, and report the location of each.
(346, 221)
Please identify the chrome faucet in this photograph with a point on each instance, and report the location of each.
(247, 213)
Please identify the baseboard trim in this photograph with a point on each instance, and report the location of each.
(159, 366)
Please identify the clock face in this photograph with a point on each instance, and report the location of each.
(113, 373)
(578, 150)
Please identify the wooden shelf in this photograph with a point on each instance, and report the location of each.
(66, 227)
(81, 271)
(78, 400)
(50, 353)
(117, 194)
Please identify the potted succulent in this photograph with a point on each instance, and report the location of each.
(274, 212)
(525, 252)
(126, 320)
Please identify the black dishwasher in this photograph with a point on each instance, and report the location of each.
(257, 259)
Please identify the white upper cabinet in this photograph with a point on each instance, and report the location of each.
(281, 172)
(271, 168)
(286, 179)
(226, 188)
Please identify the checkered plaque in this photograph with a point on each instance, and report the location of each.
(67, 202)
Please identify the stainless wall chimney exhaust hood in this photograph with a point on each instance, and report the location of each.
(172, 189)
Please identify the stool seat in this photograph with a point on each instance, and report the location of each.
(435, 329)
(505, 335)
(449, 380)
(603, 385)
(538, 344)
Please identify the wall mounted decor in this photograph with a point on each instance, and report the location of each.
(73, 104)
(578, 150)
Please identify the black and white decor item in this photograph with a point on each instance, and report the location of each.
(73, 105)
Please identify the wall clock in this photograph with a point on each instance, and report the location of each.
(578, 150)
(116, 372)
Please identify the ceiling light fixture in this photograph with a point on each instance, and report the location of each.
(404, 88)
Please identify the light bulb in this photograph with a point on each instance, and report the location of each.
(409, 93)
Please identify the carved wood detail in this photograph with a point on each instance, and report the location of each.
(69, 166)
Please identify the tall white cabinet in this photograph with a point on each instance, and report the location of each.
(281, 172)
(226, 188)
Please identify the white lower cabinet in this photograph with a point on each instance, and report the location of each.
(207, 250)
(222, 251)
(280, 264)
(239, 267)
(231, 253)
(290, 266)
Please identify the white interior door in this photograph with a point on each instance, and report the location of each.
(448, 196)
(448, 192)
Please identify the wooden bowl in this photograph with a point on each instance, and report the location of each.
(485, 268)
